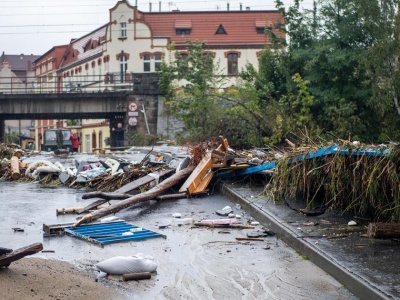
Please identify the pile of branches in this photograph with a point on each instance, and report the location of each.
(362, 185)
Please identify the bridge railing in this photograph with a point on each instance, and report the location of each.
(108, 82)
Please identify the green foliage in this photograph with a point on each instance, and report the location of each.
(336, 74)
(190, 86)
(143, 140)
(11, 136)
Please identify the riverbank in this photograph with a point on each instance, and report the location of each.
(37, 278)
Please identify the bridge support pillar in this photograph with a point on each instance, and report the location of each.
(2, 131)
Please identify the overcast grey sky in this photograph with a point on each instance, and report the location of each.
(34, 27)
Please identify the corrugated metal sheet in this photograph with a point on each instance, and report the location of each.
(111, 232)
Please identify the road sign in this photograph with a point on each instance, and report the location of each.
(132, 121)
(132, 106)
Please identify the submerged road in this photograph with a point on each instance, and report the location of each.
(196, 263)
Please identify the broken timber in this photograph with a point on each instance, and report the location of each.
(8, 258)
(383, 230)
(202, 175)
(123, 192)
(149, 195)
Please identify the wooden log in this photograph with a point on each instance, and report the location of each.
(61, 151)
(7, 259)
(78, 210)
(172, 196)
(383, 230)
(136, 276)
(148, 195)
(249, 239)
(290, 143)
(15, 173)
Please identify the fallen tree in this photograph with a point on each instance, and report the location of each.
(148, 195)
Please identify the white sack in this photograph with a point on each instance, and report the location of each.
(120, 265)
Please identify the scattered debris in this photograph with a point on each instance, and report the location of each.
(137, 276)
(352, 223)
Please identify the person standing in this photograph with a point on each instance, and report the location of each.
(74, 138)
(59, 138)
(119, 135)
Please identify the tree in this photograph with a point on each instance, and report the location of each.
(191, 91)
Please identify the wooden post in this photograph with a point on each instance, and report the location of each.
(15, 174)
(383, 230)
(136, 276)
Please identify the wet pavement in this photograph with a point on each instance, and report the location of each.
(193, 263)
(369, 268)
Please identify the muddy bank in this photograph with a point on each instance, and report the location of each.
(36, 278)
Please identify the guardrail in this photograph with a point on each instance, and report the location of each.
(48, 84)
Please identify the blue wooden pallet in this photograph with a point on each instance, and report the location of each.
(110, 232)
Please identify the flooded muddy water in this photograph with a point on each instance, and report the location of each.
(193, 263)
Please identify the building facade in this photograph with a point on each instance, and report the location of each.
(134, 42)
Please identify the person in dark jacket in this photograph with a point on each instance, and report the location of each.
(59, 138)
(119, 135)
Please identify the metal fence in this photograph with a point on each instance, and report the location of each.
(108, 82)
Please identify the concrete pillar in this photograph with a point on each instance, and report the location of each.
(2, 131)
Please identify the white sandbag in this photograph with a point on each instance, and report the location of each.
(33, 172)
(120, 265)
(60, 166)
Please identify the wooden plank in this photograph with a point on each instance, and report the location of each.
(201, 188)
(197, 175)
(7, 259)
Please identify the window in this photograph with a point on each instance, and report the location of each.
(123, 66)
(221, 30)
(232, 64)
(146, 62)
(123, 29)
(182, 31)
(157, 62)
(261, 30)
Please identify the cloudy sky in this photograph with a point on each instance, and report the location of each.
(34, 27)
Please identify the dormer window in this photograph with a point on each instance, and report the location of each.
(123, 29)
(183, 27)
(261, 25)
(221, 30)
(182, 31)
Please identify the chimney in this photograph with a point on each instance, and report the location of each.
(159, 6)
(247, 7)
(150, 6)
(240, 6)
(227, 6)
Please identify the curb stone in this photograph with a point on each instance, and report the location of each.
(355, 284)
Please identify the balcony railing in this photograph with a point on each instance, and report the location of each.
(108, 82)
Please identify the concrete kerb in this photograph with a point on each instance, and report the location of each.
(356, 285)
